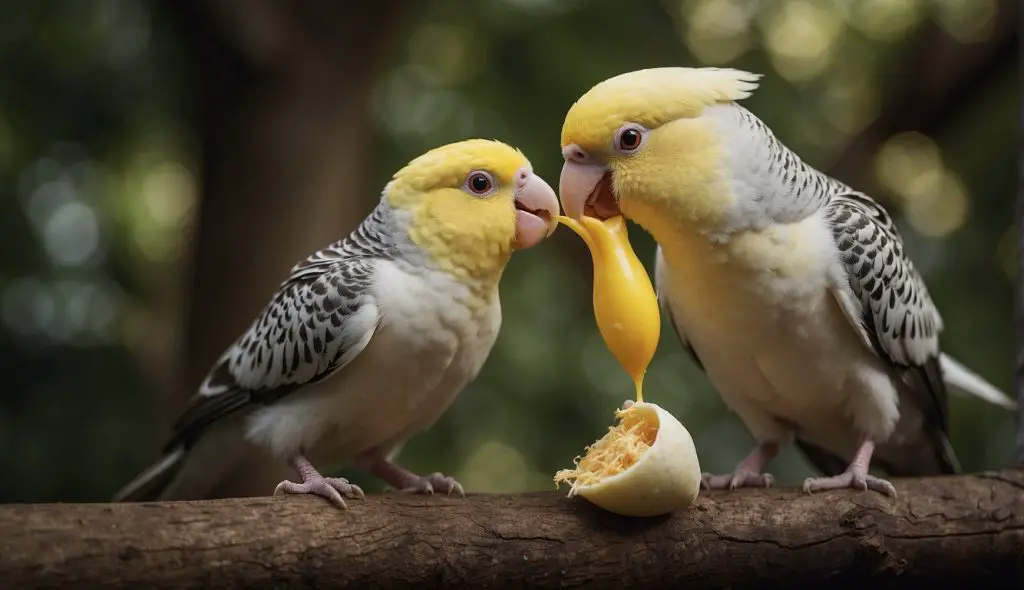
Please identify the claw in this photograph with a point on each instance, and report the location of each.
(852, 480)
(448, 484)
(356, 491)
(331, 488)
(855, 477)
(325, 487)
(748, 474)
(741, 478)
(427, 484)
(400, 478)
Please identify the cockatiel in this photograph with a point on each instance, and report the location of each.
(367, 342)
(790, 289)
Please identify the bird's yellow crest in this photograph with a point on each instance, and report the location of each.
(446, 166)
(468, 235)
(676, 174)
(650, 97)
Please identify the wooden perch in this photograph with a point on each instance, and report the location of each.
(943, 532)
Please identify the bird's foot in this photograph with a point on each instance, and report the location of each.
(428, 484)
(748, 474)
(400, 478)
(741, 478)
(332, 488)
(855, 477)
(313, 483)
(849, 479)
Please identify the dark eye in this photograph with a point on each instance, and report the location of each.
(479, 183)
(630, 139)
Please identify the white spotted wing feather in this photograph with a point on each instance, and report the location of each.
(887, 302)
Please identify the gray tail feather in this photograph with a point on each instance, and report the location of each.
(962, 380)
(149, 484)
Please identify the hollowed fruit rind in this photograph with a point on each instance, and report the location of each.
(644, 466)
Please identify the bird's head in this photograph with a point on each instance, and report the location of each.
(640, 144)
(470, 204)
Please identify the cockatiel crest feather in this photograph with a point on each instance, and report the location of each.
(791, 289)
(652, 97)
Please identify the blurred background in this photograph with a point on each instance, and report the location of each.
(163, 164)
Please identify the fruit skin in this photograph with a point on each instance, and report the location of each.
(665, 479)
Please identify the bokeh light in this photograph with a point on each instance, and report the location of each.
(936, 202)
(801, 37)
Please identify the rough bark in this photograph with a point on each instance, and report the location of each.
(942, 532)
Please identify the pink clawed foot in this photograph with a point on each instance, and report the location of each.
(331, 488)
(741, 478)
(855, 477)
(400, 478)
(748, 474)
(435, 482)
(849, 480)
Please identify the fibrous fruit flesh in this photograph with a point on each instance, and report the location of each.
(618, 450)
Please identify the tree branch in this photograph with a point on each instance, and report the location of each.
(944, 532)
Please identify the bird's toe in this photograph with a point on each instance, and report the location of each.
(316, 487)
(345, 488)
(442, 482)
(849, 480)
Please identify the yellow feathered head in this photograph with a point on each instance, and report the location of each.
(471, 203)
(637, 144)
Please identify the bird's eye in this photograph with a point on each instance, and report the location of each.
(629, 139)
(479, 183)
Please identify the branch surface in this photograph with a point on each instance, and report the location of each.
(939, 532)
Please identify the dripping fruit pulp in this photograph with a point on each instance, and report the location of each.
(625, 304)
(646, 464)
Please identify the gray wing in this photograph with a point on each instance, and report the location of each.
(320, 319)
(888, 304)
(661, 287)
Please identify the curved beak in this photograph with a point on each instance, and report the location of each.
(586, 189)
(536, 210)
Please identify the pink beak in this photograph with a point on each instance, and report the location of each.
(577, 182)
(536, 210)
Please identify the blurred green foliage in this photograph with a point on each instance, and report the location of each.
(98, 181)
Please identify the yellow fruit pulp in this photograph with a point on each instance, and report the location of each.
(613, 453)
(625, 305)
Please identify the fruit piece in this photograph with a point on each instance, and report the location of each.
(644, 466)
(625, 305)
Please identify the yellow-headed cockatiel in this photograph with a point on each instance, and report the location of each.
(367, 342)
(790, 289)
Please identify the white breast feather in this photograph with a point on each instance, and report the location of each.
(432, 340)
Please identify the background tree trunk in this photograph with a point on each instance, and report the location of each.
(285, 147)
(929, 88)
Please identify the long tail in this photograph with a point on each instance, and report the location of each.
(149, 484)
(962, 380)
